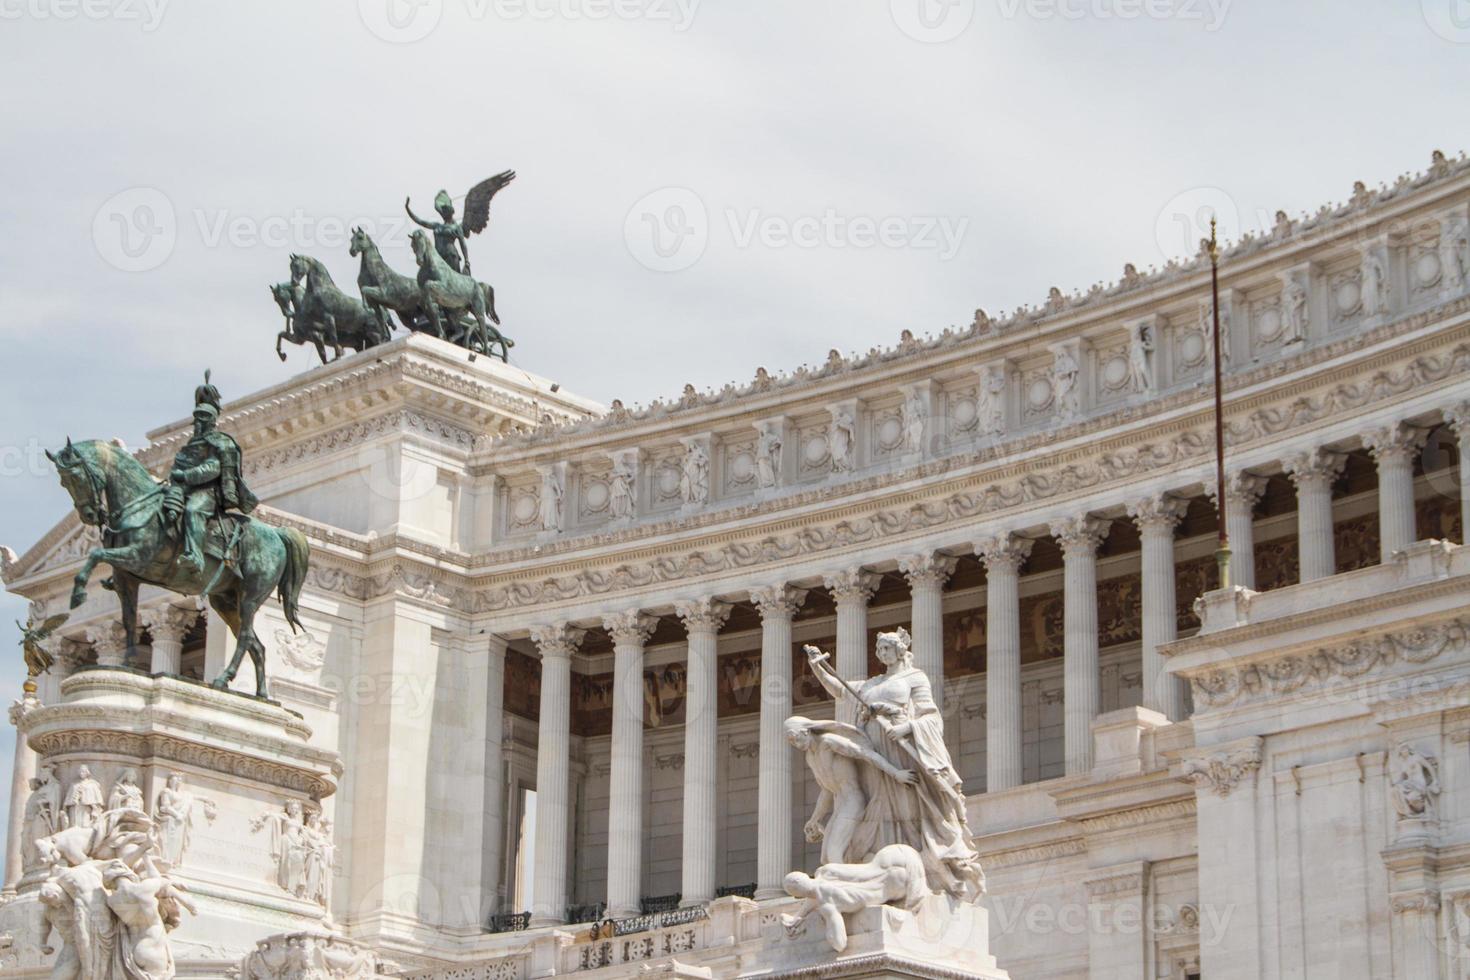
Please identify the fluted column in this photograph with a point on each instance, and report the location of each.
(1314, 473)
(1079, 538)
(110, 641)
(1243, 490)
(168, 624)
(927, 574)
(629, 630)
(556, 645)
(1458, 419)
(23, 770)
(1157, 517)
(1003, 556)
(852, 589)
(1394, 448)
(703, 619)
(492, 854)
(777, 604)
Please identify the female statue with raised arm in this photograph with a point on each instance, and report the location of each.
(898, 714)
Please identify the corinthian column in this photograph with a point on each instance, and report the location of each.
(852, 589)
(927, 574)
(110, 641)
(630, 630)
(1394, 448)
(556, 645)
(168, 624)
(1243, 491)
(703, 619)
(494, 834)
(1003, 556)
(777, 604)
(1157, 516)
(23, 770)
(1314, 473)
(1079, 538)
(1458, 419)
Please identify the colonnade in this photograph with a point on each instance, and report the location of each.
(1003, 554)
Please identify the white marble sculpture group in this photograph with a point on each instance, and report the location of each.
(891, 813)
(108, 900)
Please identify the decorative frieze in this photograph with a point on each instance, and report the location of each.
(1262, 679)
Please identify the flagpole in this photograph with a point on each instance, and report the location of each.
(1222, 550)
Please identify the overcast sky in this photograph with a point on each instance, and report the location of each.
(704, 187)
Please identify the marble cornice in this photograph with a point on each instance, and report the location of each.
(408, 373)
(1125, 803)
(1315, 236)
(1318, 615)
(1016, 856)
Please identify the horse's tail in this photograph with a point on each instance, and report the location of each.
(298, 553)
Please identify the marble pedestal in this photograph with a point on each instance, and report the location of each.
(248, 781)
(943, 938)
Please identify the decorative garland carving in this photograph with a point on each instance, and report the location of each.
(1217, 687)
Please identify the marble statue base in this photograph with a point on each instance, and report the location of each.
(942, 937)
(234, 791)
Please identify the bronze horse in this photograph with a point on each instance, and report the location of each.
(114, 492)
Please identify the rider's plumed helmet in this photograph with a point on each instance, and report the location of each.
(207, 394)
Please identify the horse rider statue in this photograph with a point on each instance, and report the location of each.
(205, 479)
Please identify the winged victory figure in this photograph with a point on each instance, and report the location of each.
(37, 659)
(451, 236)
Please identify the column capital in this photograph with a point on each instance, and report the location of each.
(631, 627)
(557, 639)
(22, 707)
(703, 614)
(1080, 535)
(1399, 440)
(1316, 466)
(1003, 552)
(1159, 512)
(1241, 487)
(108, 639)
(169, 622)
(777, 601)
(852, 584)
(928, 568)
(1457, 417)
(70, 654)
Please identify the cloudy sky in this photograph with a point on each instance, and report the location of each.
(704, 187)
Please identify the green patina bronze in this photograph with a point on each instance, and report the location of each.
(442, 299)
(191, 534)
(451, 237)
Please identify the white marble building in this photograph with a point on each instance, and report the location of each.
(552, 643)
